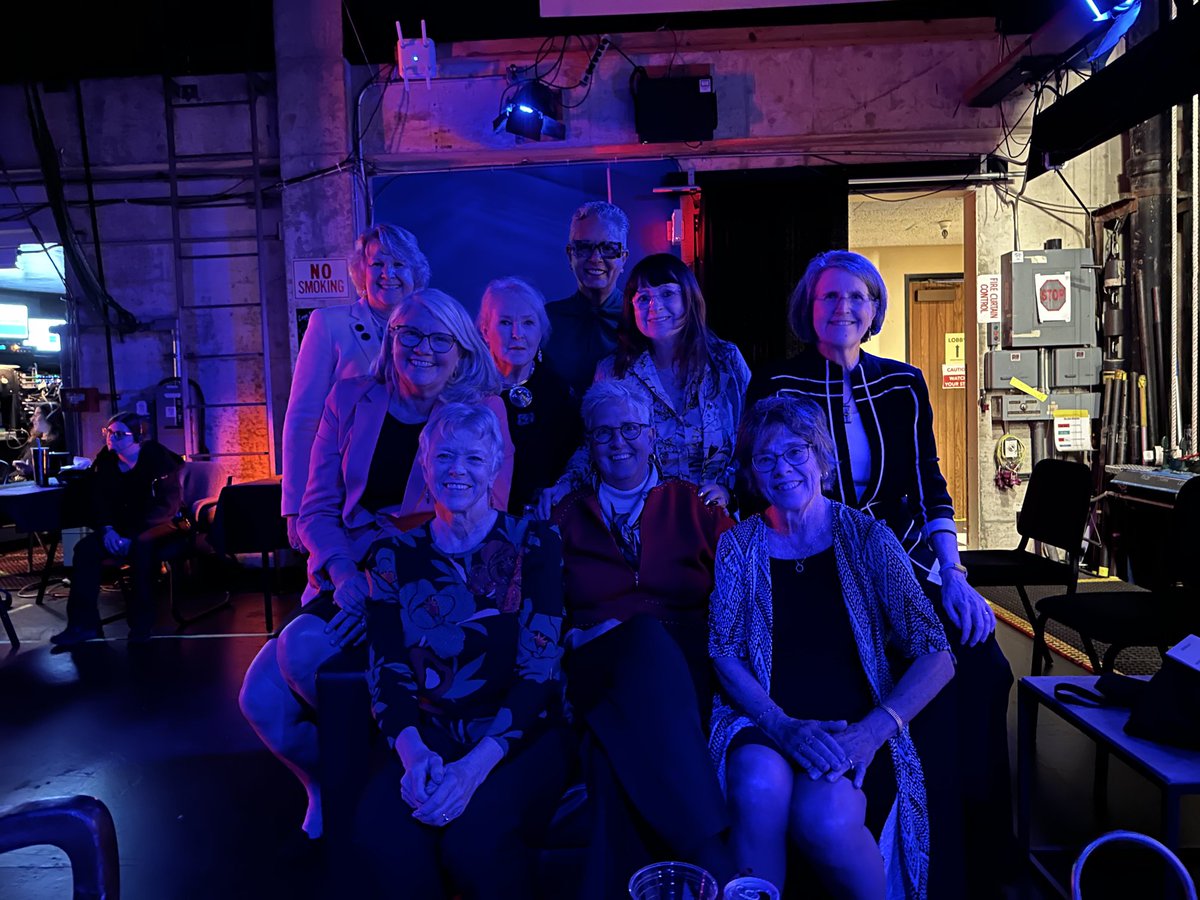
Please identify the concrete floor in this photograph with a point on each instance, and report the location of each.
(203, 811)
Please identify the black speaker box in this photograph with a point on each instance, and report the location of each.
(674, 109)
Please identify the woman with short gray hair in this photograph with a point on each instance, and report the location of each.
(637, 568)
(463, 631)
(797, 735)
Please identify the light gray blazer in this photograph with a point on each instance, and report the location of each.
(341, 342)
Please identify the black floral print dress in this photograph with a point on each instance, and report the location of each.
(466, 646)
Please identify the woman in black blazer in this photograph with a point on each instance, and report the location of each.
(887, 466)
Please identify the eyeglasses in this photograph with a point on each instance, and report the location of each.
(857, 301)
(439, 341)
(658, 295)
(794, 456)
(114, 434)
(604, 434)
(606, 249)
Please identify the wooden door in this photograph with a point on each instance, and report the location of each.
(937, 346)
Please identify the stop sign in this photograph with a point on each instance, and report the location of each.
(1052, 294)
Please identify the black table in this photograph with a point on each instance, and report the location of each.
(33, 508)
(1174, 770)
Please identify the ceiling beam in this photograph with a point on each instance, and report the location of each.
(1037, 55)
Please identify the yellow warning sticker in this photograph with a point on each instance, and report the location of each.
(1028, 389)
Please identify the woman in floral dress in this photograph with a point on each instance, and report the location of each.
(463, 627)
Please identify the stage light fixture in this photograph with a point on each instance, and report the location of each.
(534, 112)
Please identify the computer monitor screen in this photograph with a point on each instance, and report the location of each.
(41, 338)
(14, 322)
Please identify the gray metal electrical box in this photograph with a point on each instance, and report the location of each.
(1047, 299)
(1022, 407)
(999, 366)
(1075, 367)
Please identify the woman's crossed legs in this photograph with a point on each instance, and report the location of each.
(771, 802)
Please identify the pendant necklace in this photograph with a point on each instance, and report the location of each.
(518, 395)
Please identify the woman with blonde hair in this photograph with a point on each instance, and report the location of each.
(364, 482)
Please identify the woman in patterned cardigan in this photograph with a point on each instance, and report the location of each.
(796, 737)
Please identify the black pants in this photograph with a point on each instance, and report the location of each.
(652, 787)
(962, 739)
(145, 557)
(487, 853)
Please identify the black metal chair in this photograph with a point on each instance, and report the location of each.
(248, 521)
(5, 606)
(1138, 618)
(202, 483)
(82, 827)
(1054, 512)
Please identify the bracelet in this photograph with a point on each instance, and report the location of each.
(763, 714)
(895, 717)
(958, 567)
(942, 531)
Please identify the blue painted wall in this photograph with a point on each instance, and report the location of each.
(478, 225)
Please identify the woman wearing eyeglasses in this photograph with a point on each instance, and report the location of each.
(386, 266)
(638, 552)
(697, 382)
(543, 411)
(136, 494)
(364, 482)
(886, 465)
(812, 599)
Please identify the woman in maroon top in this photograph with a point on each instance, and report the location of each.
(638, 556)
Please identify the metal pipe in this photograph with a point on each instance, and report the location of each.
(1173, 370)
(1145, 165)
(113, 403)
(1195, 275)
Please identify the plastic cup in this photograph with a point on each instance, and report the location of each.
(750, 888)
(673, 881)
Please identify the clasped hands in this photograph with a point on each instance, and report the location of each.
(826, 749)
(437, 791)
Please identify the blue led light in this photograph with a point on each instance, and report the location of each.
(528, 110)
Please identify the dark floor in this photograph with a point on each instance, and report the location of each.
(203, 811)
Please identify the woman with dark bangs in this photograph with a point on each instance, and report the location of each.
(696, 380)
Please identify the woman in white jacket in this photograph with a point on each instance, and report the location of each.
(343, 342)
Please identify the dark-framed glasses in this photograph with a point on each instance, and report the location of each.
(796, 455)
(604, 434)
(606, 249)
(439, 341)
(114, 433)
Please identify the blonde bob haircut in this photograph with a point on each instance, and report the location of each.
(474, 377)
(399, 243)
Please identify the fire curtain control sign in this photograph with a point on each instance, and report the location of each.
(987, 299)
(1053, 297)
(320, 279)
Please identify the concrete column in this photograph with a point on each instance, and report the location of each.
(318, 216)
